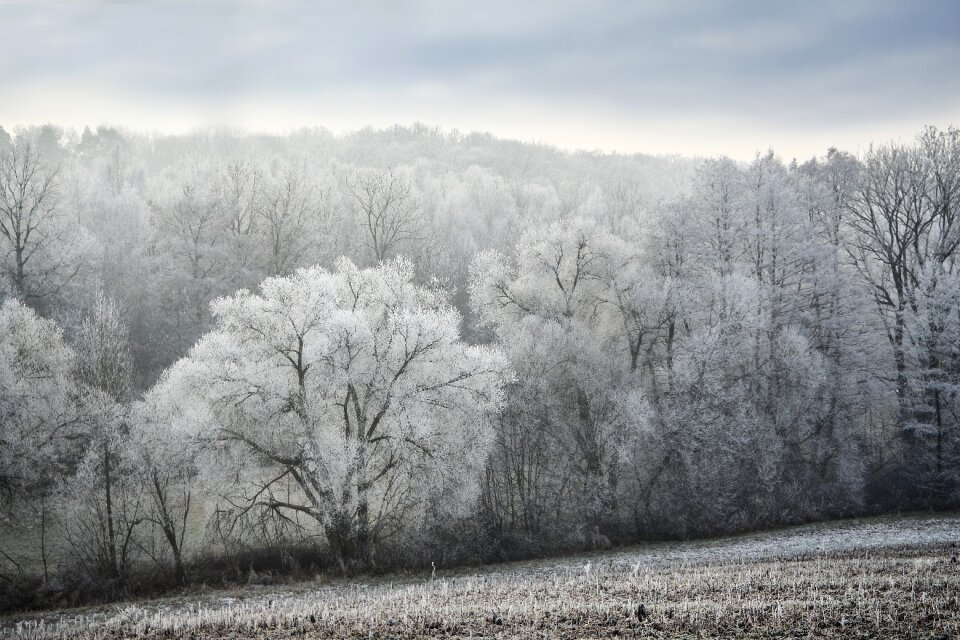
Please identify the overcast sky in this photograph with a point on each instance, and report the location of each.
(694, 77)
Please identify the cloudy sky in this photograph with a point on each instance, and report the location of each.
(686, 76)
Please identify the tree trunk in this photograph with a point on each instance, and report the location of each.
(43, 536)
(169, 528)
(19, 279)
(900, 359)
(180, 575)
(939, 418)
(111, 534)
(349, 542)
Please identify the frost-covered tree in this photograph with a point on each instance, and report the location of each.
(164, 458)
(99, 529)
(41, 250)
(838, 322)
(568, 329)
(237, 186)
(737, 438)
(933, 363)
(719, 192)
(354, 388)
(41, 421)
(905, 223)
(189, 256)
(102, 499)
(389, 214)
(295, 220)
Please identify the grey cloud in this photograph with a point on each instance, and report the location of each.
(777, 62)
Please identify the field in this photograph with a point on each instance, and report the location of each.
(886, 577)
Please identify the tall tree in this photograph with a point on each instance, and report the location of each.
(296, 219)
(353, 389)
(40, 248)
(42, 430)
(905, 218)
(556, 310)
(105, 371)
(389, 211)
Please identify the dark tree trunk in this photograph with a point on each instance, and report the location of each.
(111, 541)
(350, 541)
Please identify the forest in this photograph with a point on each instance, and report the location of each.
(226, 354)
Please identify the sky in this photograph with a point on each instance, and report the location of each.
(694, 77)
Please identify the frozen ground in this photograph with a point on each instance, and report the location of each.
(889, 575)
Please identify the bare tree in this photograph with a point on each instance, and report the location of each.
(31, 227)
(905, 215)
(189, 233)
(165, 462)
(105, 368)
(237, 187)
(296, 218)
(389, 210)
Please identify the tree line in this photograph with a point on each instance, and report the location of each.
(404, 346)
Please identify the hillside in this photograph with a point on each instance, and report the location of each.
(893, 576)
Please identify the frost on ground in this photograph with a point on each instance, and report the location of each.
(887, 576)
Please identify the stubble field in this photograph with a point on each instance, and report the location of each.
(888, 577)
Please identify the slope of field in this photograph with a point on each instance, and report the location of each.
(890, 577)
